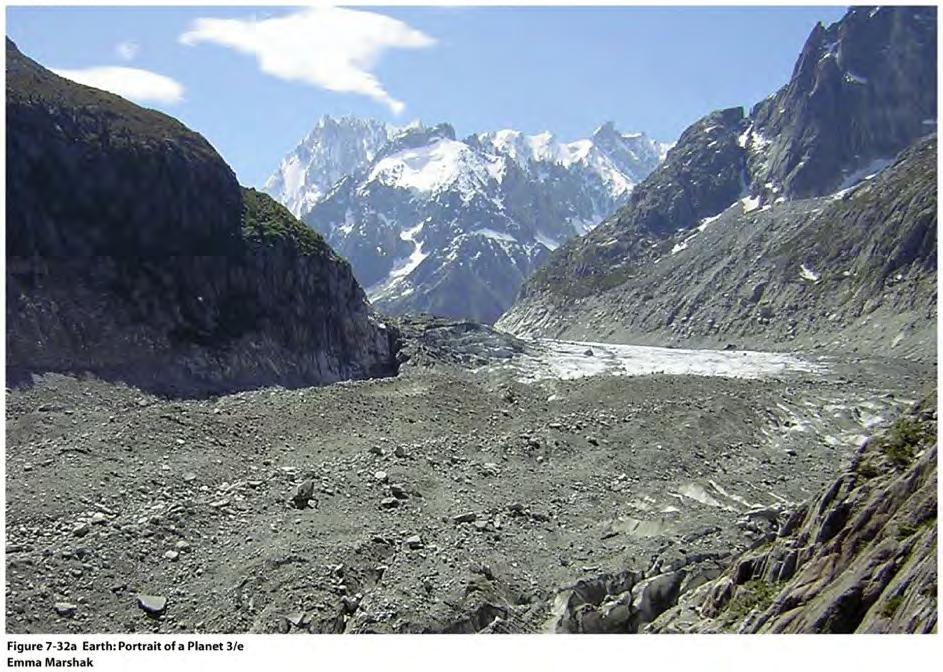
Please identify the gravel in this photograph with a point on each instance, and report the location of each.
(238, 513)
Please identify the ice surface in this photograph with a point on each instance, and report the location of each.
(552, 359)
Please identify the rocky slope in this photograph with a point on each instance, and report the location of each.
(858, 557)
(852, 271)
(859, 95)
(133, 254)
(861, 557)
(453, 227)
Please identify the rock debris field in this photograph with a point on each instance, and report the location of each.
(451, 498)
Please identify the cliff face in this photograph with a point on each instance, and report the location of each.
(719, 214)
(862, 89)
(133, 254)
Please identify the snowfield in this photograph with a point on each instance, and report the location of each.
(441, 164)
(565, 360)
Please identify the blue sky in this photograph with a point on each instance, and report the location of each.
(564, 69)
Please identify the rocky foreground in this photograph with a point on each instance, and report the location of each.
(860, 557)
(451, 498)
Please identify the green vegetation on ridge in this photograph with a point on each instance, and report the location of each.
(901, 441)
(264, 220)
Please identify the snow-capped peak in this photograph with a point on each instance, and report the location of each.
(426, 217)
(622, 160)
(334, 148)
(337, 147)
(441, 164)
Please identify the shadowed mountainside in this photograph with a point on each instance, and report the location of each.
(133, 254)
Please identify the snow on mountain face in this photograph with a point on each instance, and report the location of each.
(442, 164)
(333, 149)
(437, 224)
(620, 160)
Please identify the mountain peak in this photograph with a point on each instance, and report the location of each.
(862, 89)
(412, 137)
(434, 223)
(608, 132)
(334, 148)
(328, 120)
(607, 129)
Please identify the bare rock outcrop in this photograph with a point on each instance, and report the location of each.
(859, 558)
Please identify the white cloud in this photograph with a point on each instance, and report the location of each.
(141, 86)
(127, 50)
(327, 47)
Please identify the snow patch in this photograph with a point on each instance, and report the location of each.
(831, 50)
(441, 164)
(807, 273)
(583, 226)
(744, 137)
(755, 141)
(548, 242)
(750, 203)
(663, 149)
(348, 224)
(855, 79)
(494, 235)
(704, 223)
(402, 268)
(293, 175)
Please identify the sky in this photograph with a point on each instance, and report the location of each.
(253, 81)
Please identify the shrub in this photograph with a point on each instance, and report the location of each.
(264, 220)
(868, 470)
(905, 530)
(755, 594)
(900, 442)
(891, 607)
